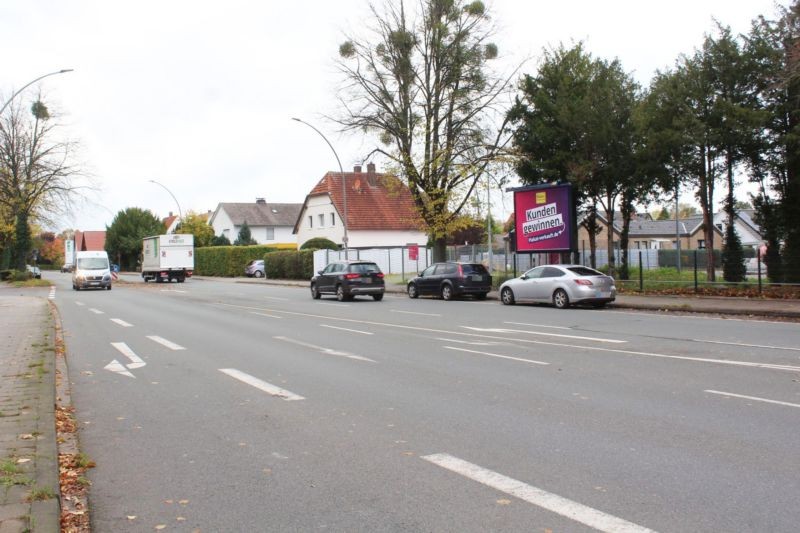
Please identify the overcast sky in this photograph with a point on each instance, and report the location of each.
(199, 95)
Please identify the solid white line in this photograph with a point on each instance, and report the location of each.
(173, 290)
(749, 345)
(121, 322)
(124, 349)
(326, 351)
(527, 341)
(500, 330)
(536, 325)
(499, 356)
(345, 329)
(546, 500)
(261, 385)
(413, 313)
(471, 343)
(165, 342)
(96, 311)
(755, 398)
(276, 298)
(265, 314)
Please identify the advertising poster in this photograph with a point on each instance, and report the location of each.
(544, 218)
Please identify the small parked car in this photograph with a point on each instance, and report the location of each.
(347, 279)
(255, 269)
(34, 271)
(66, 267)
(450, 280)
(561, 285)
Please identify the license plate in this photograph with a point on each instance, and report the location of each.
(367, 280)
(477, 277)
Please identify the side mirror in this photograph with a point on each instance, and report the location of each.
(319, 271)
(523, 277)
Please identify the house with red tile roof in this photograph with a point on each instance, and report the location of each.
(90, 241)
(170, 223)
(380, 211)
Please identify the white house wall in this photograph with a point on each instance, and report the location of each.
(223, 225)
(315, 206)
(377, 238)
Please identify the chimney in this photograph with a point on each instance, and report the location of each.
(170, 213)
(357, 169)
(261, 201)
(371, 177)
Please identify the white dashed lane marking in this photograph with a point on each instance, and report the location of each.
(164, 342)
(121, 322)
(96, 311)
(753, 398)
(533, 362)
(541, 498)
(261, 385)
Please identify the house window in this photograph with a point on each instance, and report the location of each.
(701, 244)
(321, 220)
(270, 234)
(310, 221)
(333, 219)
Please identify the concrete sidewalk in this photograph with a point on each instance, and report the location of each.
(29, 490)
(754, 307)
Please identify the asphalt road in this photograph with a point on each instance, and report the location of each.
(218, 406)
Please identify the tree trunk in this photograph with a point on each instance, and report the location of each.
(627, 212)
(439, 250)
(610, 237)
(22, 241)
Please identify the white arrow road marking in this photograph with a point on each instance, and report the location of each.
(541, 498)
(136, 361)
(261, 385)
(754, 398)
(501, 330)
(116, 366)
(121, 322)
(326, 351)
(165, 342)
(498, 356)
(96, 311)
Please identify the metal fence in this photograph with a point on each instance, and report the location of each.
(395, 260)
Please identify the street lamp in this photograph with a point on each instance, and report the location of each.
(63, 71)
(180, 214)
(341, 172)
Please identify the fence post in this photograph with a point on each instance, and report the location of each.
(403, 263)
(695, 271)
(641, 273)
(758, 266)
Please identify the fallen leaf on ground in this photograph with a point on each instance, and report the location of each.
(504, 502)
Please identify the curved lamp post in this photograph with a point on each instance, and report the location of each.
(341, 172)
(180, 214)
(63, 71)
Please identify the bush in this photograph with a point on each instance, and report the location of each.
(289, 264)
(226, 261)
(319, 243)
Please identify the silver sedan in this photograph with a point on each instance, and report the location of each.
(561, 285)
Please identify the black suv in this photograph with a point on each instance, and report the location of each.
(449, 280)
(347, 279)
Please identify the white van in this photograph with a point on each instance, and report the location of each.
(91, 270)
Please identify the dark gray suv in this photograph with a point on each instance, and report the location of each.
(450, 280)
(347, 279)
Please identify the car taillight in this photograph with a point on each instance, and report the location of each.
(380, 275)
(583, 282)
(352, 276)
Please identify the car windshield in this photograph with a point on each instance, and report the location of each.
(584, 271)
(474, 269)
(93, 263)
(364, 268)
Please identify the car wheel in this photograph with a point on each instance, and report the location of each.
(340, 293)
(109, 287)
(377, 297)
(447, 292)
(412, 291)
(259, 274)
(315, 292)
(507, 296)
(560, 299)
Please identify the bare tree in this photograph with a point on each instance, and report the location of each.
(425, 90)
(39, 177)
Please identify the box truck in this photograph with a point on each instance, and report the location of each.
(168, 257)
(91, 271)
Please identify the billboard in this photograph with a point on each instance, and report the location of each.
(544, 219)
(69, 252)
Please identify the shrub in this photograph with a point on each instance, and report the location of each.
(319, 243)
(289, 264)
(226, 261)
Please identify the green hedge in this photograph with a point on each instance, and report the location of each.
(289, 264)
(226, 261)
